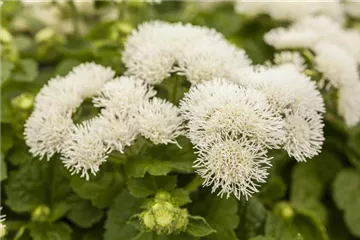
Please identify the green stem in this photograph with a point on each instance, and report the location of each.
(174, 91)
(194, 184)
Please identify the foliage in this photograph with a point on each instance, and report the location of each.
(318, 200)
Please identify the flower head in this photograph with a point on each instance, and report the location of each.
(287, 57)
(349, 104)
(159, 121)
(84, 150)
(2, 225)
(234, 166)
(218, 109)
(304, 135)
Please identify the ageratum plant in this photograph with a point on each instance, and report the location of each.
(160, 120)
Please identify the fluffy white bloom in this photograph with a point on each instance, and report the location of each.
(153, 50)
(288, 90)
(291, 10)
(337, 66)
(116, 128)
(234, 166)
(51, 121)
(203, 62)
(307, 32)
(217, 109)
(352, 8)
(159, 121)
(349, 104)
(304, 135)
(84, 150)
(124, 94)
(2, 225)
(290, 58)
(46, 130)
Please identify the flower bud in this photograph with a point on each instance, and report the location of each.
(23, 101)
(40, 213)
(284, 210)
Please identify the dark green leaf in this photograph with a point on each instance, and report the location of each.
(50, 231)
(84, 214)
(198, 227)
(143, 187)
(3, 168)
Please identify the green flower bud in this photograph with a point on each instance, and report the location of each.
(45, 35)
(40, 214)
(5, 36)
(284, 210)
(23, 101)
(148, 220)
(181, 220)
(162, 196)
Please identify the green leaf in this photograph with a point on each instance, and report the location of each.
(25, 71)
(19, 155)
(143, 187)
(84, 214)
(181, 196)
(262, 238)
(65, 66)
(3, 168)
(47, 231)
(198, 227)
(347, 197)
(7, 138)
(161, 160)
(37, 183)
(6, 68)
(101, 190)
(221, 214)
(289, 228)
(252, 218)
(273, 190)
(118, 215)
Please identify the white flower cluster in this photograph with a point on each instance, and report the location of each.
(157, 49)
(128, 108)
(234, 124)
(2, 224)
(337, 57)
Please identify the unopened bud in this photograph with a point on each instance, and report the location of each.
(40, 214)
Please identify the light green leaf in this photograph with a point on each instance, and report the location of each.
(65, 66)
(53, 231)
(118, 215)
(347, 198)
(143, 187)
(3, 168)
(84, 214)
(6, 68)
(198, 227)
(181, 196)
(101, 190)
(25, 71)
(262, 238)
(7, 138)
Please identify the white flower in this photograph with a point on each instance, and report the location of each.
(349, 104)
(288, 90)
(290, 58)
(117, 129)
(352, 8)
(2, 225)
(46, 130)
(123, 94)
(337, 66)
(203, 62)
(304, 135)
(159, 121)
(234, 166)
(153, 50)
(84, 150)
(218, 109)
(291, 10)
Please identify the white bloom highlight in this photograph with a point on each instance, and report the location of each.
(234, 166)
(218, 109)
(153, 50)
(304, 135)
(290, 58)
(337, 66)
(349, 104)
(291, 10)
(2, 224)
(117, 129)
(159, 121)
(84, 150)
(124, 94)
